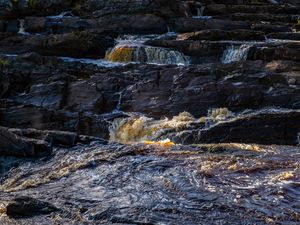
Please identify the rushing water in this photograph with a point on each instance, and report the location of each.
(200, 14)
(146, 54)
(22, 27)
(235, 53)
(148, 184)
(139, 128)
(132, 49)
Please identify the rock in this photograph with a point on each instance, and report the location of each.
(45, 119)
(215, 35)
(25, 206)
(136, 23)
(198, 51)
(152, 171)
(55, 137)
(48, 96)
(19, 146)
(192, 25)
(162, 8)
(286, 51)
(265, 127)
(17, 9)
(12, 145)
(284, 35)
(271, 28)
(4, 83)
(76, 44)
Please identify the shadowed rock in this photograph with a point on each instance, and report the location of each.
(14, 145)
(28, 207)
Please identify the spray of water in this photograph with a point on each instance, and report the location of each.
(235, 53)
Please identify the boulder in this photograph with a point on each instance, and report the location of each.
(55, 137)
(77, 44)
(265, 127)
(22, 207)
(18, 146)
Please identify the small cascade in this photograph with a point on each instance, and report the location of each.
(146, 54)
(22, 27)
(133, 49)
(118, 107)
(235, 53)
(200, 13)
(169, 29)
(139, 128)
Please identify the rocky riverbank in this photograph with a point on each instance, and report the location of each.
(149, 112)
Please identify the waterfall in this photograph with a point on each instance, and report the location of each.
(200, 14)
(235, 53)
(22, 27)
(200, 11)
(138, 128)
(146, 54)
(118, 106)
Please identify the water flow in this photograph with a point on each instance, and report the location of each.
(200, 14)
(235, 53)
(138, 128)
(200, 11)
(134, 49)
(67, 14)
(118, 106)
(22, 27)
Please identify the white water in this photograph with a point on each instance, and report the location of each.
(22, 27)
(142, 53)
(67, 14)
(235, 53)
(200, 12)
(150, 55)
(97, 62)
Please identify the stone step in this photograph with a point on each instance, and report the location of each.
(222, 9)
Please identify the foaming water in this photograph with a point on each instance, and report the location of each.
(132, 48)
(235, 53)
(146, 54)
(150, 184)
(139, 128)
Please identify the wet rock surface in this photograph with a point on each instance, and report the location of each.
(151, 184)
(204, 96)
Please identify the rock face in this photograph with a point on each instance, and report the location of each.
(13, 145)
(198, 183)
(166, 76)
